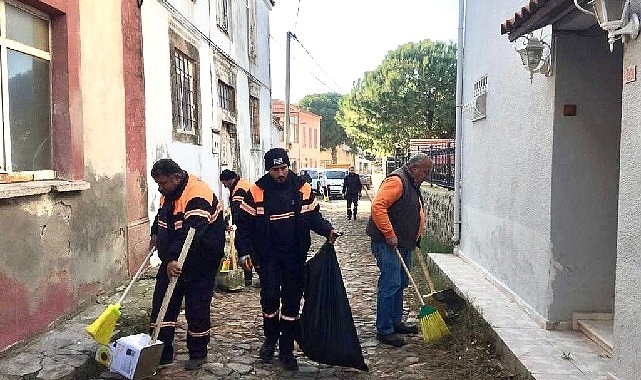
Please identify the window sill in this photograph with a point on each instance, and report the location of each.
(23, 189)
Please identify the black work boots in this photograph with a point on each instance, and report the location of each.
(266, 352)
(289, 362)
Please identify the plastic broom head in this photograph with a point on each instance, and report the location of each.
(426, 310)
(433, 327)
(103, 327)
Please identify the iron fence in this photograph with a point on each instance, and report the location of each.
(443, 157)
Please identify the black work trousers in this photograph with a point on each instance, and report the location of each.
(281, 278)
(197, 290)
(351, 199)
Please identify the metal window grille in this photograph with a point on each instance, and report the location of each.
(184, 101)
(226, 97)
(254, 117)
(222, 18)
(475, 108)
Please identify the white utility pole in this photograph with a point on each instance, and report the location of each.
(287, 122)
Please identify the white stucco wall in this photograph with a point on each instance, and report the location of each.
(506, 162)
(585, 175)
(196, 23)
(627, 334)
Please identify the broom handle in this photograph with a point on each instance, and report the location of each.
(426, 273)
(138, 273)
(172, 284)
(232, 246)
(409, 275)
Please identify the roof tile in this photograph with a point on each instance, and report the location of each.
(522, 16)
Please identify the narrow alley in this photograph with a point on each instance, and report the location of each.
(237, 331)
(237, 321)
(67, 352)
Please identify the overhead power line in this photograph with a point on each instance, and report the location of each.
(315, 60)
(310, 72)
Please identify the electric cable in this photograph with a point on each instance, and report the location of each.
(302, 65)
(315, 60)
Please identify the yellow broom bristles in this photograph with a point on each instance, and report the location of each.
(433, 326)
(103, 327)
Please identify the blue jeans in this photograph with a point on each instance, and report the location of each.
(392, 281)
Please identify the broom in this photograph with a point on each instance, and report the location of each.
(446, 301)
(432, 325)
(103, 327)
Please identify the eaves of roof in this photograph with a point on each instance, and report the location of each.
(534, 15)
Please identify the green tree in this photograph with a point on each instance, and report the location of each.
(411, 94)
(325, 105)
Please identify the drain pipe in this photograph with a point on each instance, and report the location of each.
(459, 130)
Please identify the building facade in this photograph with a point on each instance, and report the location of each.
(207, 80)
(65, 175)
(549, 172)
(304, 147)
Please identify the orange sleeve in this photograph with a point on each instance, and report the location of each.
(390, 191)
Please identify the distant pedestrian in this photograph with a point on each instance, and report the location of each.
(396, 222)
(186, 202)
(279, 212)
(352, 191)
(238, 188)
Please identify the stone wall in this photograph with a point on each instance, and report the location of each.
(439, 208)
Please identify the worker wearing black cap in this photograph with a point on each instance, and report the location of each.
(238, 188)
(278, 213)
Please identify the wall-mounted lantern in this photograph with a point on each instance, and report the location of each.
(604, 10)
(535, 55)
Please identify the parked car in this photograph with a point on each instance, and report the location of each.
(332, 182)
(315, 174)
(366, 181)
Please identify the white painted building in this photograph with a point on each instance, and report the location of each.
(549, 201)
(207, 86)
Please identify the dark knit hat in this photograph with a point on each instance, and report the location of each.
(227, 174)
(275, 157)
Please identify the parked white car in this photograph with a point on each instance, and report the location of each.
(332, 182)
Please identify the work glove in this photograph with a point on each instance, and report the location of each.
(246, 262)
(333, 234)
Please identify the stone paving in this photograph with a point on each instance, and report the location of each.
(237, 320)
(66, 352)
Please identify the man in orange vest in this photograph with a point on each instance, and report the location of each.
(186, 202)
(278, 213)
(238, 188)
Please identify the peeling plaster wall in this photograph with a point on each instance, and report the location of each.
(627, 334)
(102, 83)
(59, 250)
(506, 162)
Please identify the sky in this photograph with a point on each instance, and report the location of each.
(342, 39)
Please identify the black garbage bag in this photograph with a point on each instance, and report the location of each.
(328, 331)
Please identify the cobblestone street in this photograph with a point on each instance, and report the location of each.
(237, 321)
